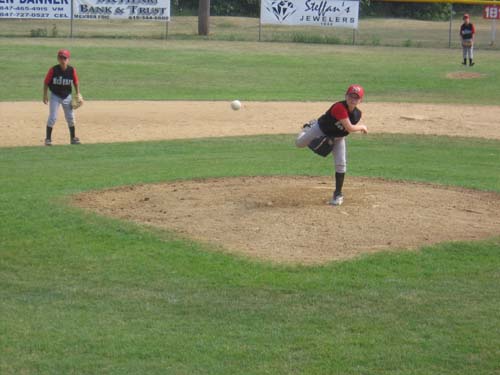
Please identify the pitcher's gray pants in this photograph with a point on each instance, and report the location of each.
(339, 148)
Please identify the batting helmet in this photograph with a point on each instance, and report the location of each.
(356, 89)
(466, 15)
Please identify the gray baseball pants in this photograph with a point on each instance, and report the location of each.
(468, 52)
(339, 146)
(54, 103)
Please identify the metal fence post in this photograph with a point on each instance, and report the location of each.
(71, 21)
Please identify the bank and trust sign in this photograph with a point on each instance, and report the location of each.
(310, 12)
(155, 10)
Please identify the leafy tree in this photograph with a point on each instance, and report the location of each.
(368, 8)
(419, 11)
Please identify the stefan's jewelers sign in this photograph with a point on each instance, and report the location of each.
(310, 13)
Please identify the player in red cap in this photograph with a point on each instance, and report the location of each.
(467, 34)
(327, 134)
(59, 80)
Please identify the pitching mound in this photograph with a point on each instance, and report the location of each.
(287, 220)
(464, 75)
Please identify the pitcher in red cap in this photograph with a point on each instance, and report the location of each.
(59, 80)
(467, 35)
(327, 134)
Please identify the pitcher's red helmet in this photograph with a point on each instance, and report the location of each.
(356, 89)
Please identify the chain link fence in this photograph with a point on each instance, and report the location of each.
(372, 31)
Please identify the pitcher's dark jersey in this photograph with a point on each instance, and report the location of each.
(60, 81)
(330, 124)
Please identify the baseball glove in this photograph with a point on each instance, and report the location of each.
(466, 43)
(77, 101)
(322, 145)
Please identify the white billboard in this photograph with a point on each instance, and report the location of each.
(152, 10)
(39, 9)
(327, 13)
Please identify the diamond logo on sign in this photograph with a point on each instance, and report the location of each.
(331, 13)
(282, 9)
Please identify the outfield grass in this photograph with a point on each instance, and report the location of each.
(129, 70)
(84, 294)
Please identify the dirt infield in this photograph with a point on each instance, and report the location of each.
(280, 219)
(23, 123)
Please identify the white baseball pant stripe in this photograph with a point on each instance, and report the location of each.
(339, 147)
(54, 103)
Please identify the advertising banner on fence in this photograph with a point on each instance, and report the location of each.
(329, 13)
(491, 12)
(153, 10)
(40, 9)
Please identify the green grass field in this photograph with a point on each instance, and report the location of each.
(128, 70)
(84, 294)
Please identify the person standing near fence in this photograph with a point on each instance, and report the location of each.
(467, 34)
(59, 80)
(327, 134)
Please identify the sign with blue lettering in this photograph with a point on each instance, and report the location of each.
(39, 9)
(328, 13)
(149, 10)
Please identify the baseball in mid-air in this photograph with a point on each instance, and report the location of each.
(235, 105)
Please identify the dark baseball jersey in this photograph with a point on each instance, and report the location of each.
(467, 31)
(60, 81)
(330, 124)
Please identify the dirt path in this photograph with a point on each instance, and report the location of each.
(23, 123)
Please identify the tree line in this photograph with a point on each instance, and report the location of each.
(368, 8)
